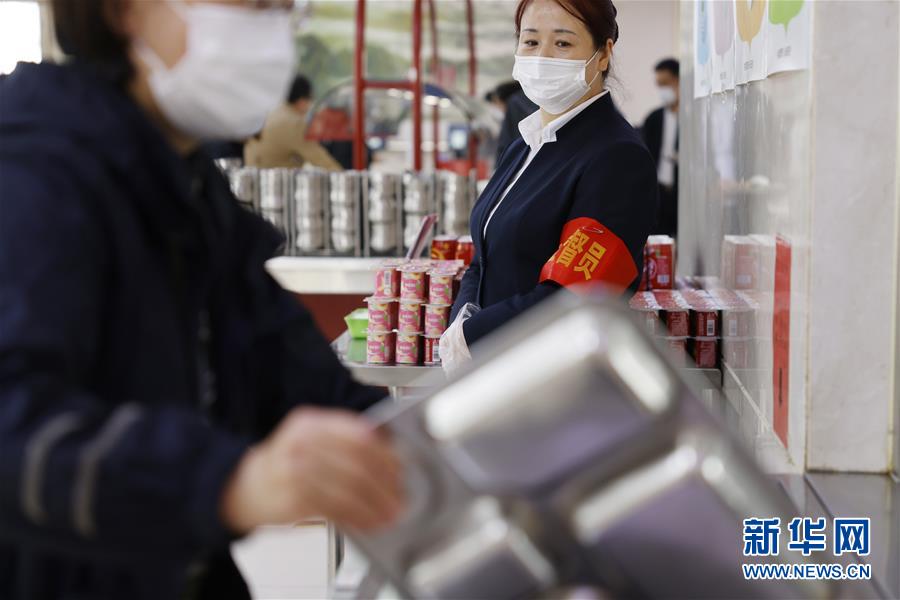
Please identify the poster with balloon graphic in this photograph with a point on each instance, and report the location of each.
(750, 42)
(702, 61)
(723, 34)
(788, 36)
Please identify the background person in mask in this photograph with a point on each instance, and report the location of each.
(516, 106)
(660, 132)
(150, 369)
(572, 202)
(282, 142)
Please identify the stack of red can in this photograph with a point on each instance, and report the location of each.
(738, 327)
(410, 310)
(705, 325)
(450, 247)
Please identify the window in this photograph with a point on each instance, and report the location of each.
(20, 33)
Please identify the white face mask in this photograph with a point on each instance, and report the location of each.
(237, 67)
(554, 84)
(667, 95)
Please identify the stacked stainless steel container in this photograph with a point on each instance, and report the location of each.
(351, 213)
(455, 192)
(275, 199)
(385, 214)
(419, 200)
(349, 190)
(245, 186)
(311, 210)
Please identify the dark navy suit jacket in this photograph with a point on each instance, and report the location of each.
(598, 167)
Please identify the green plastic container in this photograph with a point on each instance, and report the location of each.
(357, 323)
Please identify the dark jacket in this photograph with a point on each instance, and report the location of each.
(518, 106)
(599, 168)
(142, 345)
(652, 132)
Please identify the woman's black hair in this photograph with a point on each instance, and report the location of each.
(89, 31)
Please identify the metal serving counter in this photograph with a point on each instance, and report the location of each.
(324, 275)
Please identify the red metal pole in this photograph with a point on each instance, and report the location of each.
(417, 92)
(435, 66)
(470, 24)
(359, 92)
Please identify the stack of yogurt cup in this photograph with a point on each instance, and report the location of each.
(410, 310)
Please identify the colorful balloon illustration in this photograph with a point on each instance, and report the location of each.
(782, 11)
(749, 15)
(702, 32)
(723, 13)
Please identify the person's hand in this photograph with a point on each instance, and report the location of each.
(317, 463)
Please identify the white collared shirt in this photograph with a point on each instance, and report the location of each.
(536, 135)
(668, 157)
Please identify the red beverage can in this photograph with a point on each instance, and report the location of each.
(660, 251)
(675, 312)
(704, 313)
(677, 347)
(465, 249)
(705, 351)
(443, 247)
(432, 351)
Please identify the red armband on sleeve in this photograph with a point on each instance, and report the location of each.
(589, 253)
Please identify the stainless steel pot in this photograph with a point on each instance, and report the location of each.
(274, 188)
(383, 211)
(245, 185)
(310, 223)
(226, 165)
(308, 240)
(309, 197)
(346, 187)
(275, 217)
(383, 236)
(419, 192)
(342, 240)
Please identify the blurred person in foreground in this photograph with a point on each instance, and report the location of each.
(660, 132)
(151, 371)
(282, 142)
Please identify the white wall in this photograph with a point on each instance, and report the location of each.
(854, 237)
(648, 32)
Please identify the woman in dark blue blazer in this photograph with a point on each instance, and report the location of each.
(573, 201)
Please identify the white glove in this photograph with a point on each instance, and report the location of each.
(454, 350)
